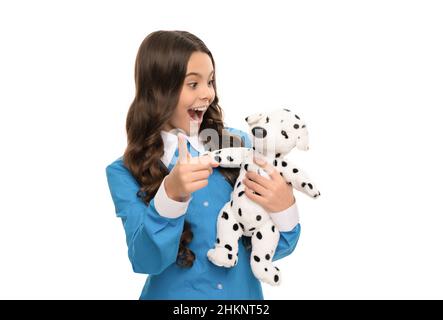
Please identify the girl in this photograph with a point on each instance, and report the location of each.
(167, 196)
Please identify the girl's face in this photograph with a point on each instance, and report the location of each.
(196, 95)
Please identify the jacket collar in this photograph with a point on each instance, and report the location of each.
(170, 142)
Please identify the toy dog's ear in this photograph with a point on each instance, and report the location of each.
(254, 118)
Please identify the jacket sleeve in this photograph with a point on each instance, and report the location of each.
(287, 243)
(288, 239)
(152, 239)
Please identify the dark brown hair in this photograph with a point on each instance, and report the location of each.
(160, 70)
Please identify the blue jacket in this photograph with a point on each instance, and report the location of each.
(153, 241)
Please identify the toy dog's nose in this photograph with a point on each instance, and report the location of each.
(259, 132)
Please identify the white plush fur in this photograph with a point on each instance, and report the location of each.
(274, 134)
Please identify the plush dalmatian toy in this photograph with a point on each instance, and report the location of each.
(275, 135)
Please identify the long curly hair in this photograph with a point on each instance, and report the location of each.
(160, 70)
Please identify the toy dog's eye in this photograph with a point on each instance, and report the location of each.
(296, 126)
(259, 132)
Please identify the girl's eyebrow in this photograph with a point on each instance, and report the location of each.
(197, 74)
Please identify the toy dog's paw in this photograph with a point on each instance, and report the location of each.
(207, 153)
(222, 257)
(213, 155)
(267, 273)
(310, 189)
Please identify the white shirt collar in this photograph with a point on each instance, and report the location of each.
(170, 142)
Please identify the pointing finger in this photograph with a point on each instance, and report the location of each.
(183, 155)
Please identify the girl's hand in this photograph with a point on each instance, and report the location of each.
(273, 194)
(189, 174)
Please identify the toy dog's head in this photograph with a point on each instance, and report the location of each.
(278, 132)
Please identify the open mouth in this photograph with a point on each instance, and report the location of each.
(196, 114)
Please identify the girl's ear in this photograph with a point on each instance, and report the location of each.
(253, 118)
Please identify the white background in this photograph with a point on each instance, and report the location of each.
(367, 76)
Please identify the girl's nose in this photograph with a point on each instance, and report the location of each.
(207, 94)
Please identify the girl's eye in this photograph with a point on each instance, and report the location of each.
(194, 84)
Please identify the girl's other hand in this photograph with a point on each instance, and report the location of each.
(273, 194)
(189, 174)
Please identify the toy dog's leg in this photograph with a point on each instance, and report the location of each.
(298, 178)
(264, 242)
(225, 253)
